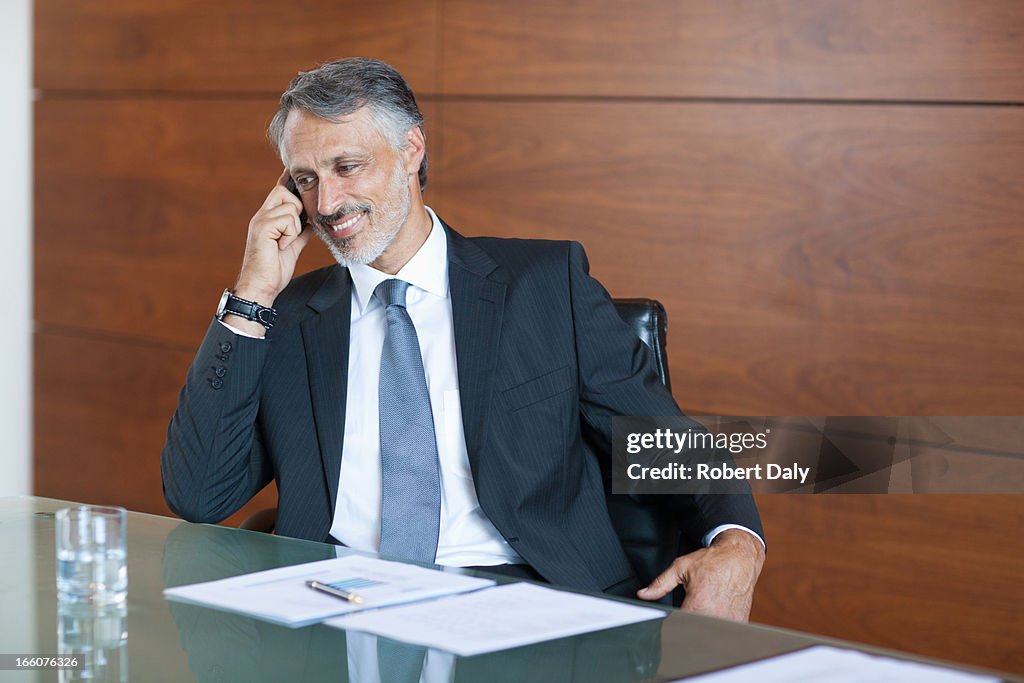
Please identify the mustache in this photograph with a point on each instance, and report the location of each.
(342, 211)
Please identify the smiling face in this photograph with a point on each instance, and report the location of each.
(358, 189)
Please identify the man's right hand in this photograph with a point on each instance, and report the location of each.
(272, 248)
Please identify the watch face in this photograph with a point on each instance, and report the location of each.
(222, 304)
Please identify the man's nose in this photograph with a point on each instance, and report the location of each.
(331, 195)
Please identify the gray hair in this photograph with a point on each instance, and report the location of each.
(339, 88)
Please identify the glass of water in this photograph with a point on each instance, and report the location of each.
(91, 555)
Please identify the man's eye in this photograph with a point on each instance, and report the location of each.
(347, 168)
(304, 183)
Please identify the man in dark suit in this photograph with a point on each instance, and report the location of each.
(429, 396)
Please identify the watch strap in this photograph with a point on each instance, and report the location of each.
(243, 308)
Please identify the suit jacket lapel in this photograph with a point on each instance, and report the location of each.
(478, 299)
(325, 340)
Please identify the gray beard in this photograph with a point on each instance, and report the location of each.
(383, 225)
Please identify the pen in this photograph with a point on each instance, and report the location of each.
(347, 596)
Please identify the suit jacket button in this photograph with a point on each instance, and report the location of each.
(221, 371)
(225, 347)
(216, 382)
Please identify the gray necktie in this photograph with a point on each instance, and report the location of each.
(411, 509)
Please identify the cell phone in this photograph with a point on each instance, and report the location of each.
(295, 191)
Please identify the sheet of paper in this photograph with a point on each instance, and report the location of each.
(281, 595)
(824, 664)
(497, 619)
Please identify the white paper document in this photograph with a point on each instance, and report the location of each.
(496, 619)
(282, 596)
(824, 664)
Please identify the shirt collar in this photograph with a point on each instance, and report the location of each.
(427, 269)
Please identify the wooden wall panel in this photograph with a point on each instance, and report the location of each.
(223, 47)
(936, 575)
(101, 411)
(864, 49)
(141, 211)
(813, 259)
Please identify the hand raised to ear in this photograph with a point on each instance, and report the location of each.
(273, 244)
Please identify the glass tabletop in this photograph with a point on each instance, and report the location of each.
(152, 639)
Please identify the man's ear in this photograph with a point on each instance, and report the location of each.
(415, 148)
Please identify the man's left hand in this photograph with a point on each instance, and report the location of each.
(719, 580)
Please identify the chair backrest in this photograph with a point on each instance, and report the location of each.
(648, 319)
(648, 532)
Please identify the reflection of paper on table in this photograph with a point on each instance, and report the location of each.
(281, 595)
(825, 664)
(497, 619)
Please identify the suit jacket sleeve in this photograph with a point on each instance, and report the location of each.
(213, 461)
(618, 377)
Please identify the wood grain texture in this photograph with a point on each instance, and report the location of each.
(101, 411)
(933, 574)
(864, 49)
(223, 47)
(813, 259)
(141, 211)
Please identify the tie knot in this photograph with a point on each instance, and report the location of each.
(392, 292)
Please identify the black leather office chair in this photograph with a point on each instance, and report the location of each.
(648, 531)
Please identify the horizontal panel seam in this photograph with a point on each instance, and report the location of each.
(44, 94)
(47, 329)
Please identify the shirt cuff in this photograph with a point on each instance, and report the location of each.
(710, 536)
(239, 332)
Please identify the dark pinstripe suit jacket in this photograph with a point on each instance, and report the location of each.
(543, 358)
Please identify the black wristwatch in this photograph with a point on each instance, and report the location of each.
(250, 310)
